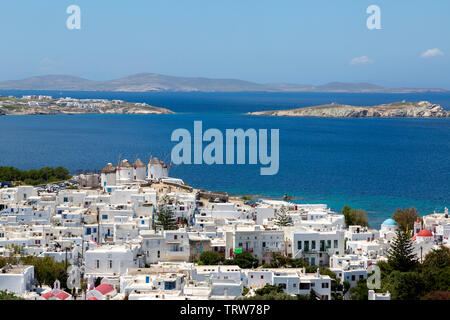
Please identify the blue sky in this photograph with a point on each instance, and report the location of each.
(299, 41)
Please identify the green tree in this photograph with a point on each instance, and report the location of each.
(404, 285)
(436, 270)
(360, 291)
(166, 219)
(355, 217)
(281, 261)
(313, 295)
(270, 292)
(346, 287)
(5, 295)
(33, 176)
(47, 270)
(211, 258)
(437, 258)
(400, 254)
(282, 219)
(405, 218)
(436, 279)
(244, 260)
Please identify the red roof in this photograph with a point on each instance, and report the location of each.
(425, 233)
(105, 288)
(92, 298)
(62, 295)
(47, 295)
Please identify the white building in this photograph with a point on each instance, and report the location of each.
(139, 170)
(379, 296)
(17, 279)
(257, 240)
(110, 260)
(108, 176)
(125, 172)
(292, 280)
(316, 246)
(157, 170)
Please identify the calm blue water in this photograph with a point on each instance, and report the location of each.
(373, 164)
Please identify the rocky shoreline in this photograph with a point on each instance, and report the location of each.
(422, 109)
(42, 105)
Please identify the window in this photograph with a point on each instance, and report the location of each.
(97, 264)
(325, 285)
(306, 245)
(159, 254)
(251, 276)
(304, 286)
(262, 277)
(353, 277)
(313, 244)
(294, 285)
(361, 277)
(299, 245)
(283, 285)
(263, 244)
(110, 264)
(322, 245)
(328, 244)
(104, 216)
(335, 243)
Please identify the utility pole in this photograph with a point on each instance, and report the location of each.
(421, 248)
(98, 226)
(66, 258)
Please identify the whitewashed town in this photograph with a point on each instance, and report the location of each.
(133, 232)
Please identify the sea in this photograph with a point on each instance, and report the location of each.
(373, 164)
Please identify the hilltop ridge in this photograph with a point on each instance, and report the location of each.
(148, 82)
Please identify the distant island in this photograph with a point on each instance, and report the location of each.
(152, 82)
(45, 105)
(423, 109)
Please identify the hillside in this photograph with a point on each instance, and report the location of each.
(423, 109)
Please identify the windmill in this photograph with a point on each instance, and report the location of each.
(168, 159)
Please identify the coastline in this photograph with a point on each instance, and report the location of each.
(422, 109)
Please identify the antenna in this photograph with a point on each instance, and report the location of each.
(149, 155)
(118, 161)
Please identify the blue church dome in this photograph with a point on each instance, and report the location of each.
(388, 222)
